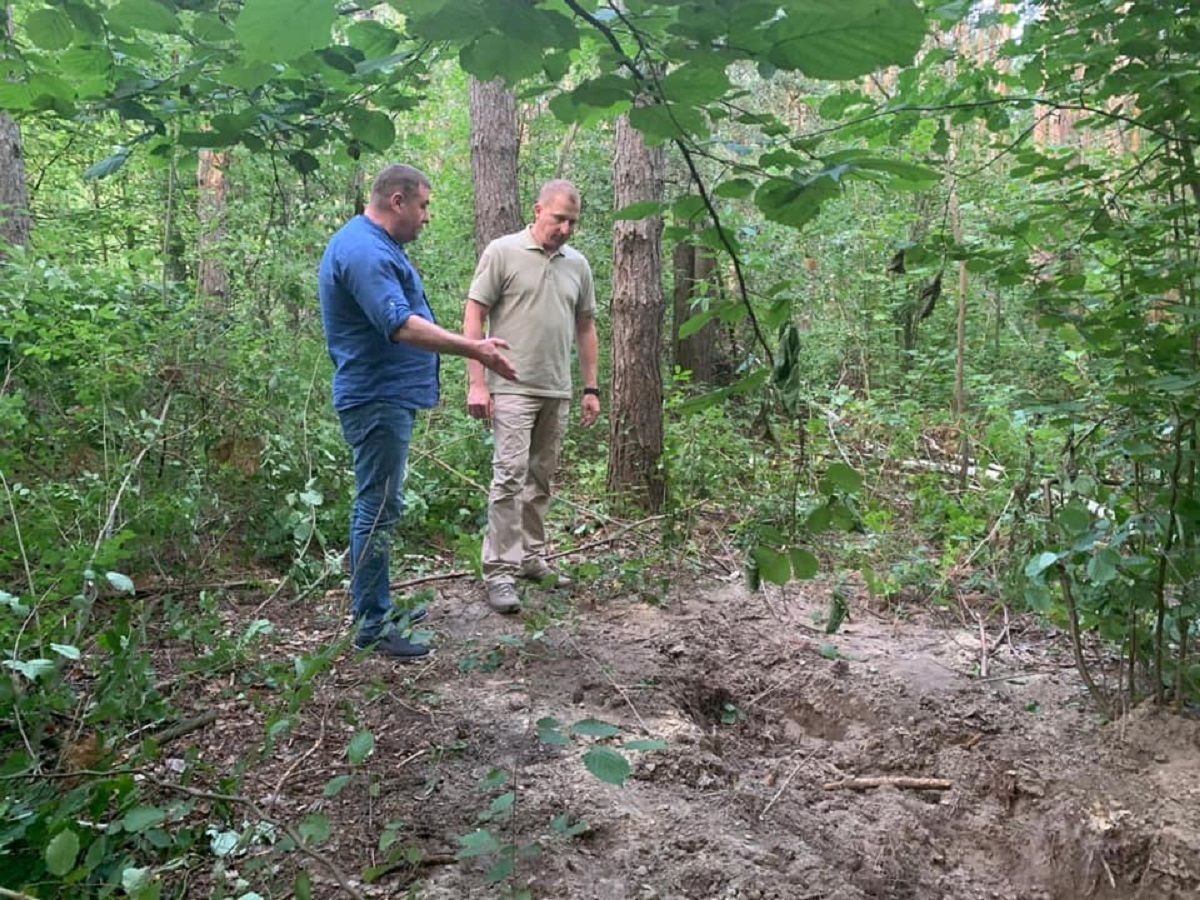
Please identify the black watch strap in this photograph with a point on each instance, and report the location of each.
(594, 391)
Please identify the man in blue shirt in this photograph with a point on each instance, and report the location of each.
(384, 342)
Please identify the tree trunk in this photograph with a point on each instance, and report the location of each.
(636, 423)
(213, 276)
(14, 193)
(494, 149)
(14, 196)
(700, 352)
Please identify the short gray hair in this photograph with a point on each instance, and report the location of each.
(556, 187)
(398, 179)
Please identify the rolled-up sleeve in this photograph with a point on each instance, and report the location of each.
(381, 289)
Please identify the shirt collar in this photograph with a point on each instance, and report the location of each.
(531, 243)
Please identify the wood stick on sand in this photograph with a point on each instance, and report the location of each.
(896, 781)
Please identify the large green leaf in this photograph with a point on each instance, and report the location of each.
(372, 38)
(50, 29)
(61, 853)
(773, 566)
(281, 30)
(846, 39)
(607, 764)
(443, 20)
(373, 128)
(500, 56)
(147, 15)
(695, 83)
(143, 818)
(794, 202)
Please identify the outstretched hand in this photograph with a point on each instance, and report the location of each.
(490, 357)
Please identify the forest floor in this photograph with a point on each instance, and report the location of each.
(764, 718)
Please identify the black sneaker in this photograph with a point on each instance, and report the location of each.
(416, 614)
(395, 646)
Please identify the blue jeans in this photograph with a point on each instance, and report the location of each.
(379, 435)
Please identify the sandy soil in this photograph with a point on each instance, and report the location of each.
(764, 717)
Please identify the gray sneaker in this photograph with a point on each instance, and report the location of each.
(503, 598)
(534, 568)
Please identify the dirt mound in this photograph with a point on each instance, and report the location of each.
(1006, 787)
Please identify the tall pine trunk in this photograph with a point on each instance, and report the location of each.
(494, 148)
(636, 419)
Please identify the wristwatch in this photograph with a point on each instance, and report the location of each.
(594, 391)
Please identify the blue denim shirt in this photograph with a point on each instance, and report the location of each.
(368, 289)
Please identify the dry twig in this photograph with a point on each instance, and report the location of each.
(896, 781)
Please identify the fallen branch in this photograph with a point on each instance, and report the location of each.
(187, 726)
(896, 781)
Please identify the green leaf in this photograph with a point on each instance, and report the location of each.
(639, 210)
(147, 15)
(734, 188)
(303, 162)
(804, 564)
(595, 728)
(1102, 568)
(840, 477)
(373, 128)
(772, 565)
(142, 818)
(607, 764)
(31, 668)
(211, 29)
(847, 39)
(361, 746)
(61, 852)
(248, 75)
(500, 56)
(335, 785)
(695, 83)
(456, 22)
(698, 321)
(67, 650)
(13, 603)
(302, 886)
(794, 202)
(662, 122)
(374, 39)
(315, 829)
(830, 652)
(134, 880)
(1040, 564)
(50, 29)
(548, 732)
(1074, 519)
(281, 30)
(119, 582)
(480, 842)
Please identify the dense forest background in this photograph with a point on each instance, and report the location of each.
(902, 294)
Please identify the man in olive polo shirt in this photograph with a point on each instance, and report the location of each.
(536, 293)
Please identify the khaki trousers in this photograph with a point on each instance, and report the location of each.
(528, 433)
